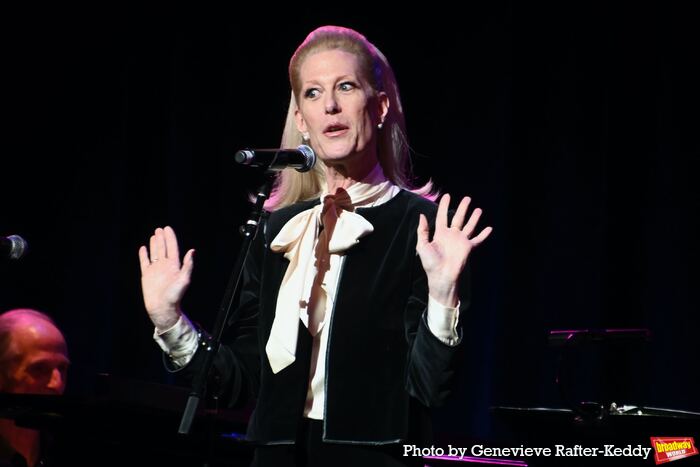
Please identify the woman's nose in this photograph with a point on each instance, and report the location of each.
(332, 105)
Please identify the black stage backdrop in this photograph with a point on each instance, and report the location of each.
(575, 128)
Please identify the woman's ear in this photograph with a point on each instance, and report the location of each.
(299, 120)
(384, 104)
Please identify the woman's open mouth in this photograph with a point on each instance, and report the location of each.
(335, 129)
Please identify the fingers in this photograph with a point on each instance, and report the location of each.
(471, 223)
(482, 236)
(158, 249)
(423, 232)
(441, 218)
(187, 265)
(153, 249)
(458, 218)
(144, 262)
(162, 245)
(170, 241)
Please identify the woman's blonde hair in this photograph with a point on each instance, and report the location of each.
(393, 149)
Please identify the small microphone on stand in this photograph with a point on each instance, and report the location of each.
(13, 246)
(302, 158)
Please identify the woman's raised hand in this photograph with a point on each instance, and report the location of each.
(163, 279)
(444, 258)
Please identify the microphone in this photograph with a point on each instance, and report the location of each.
(14, 245)
(302, 158)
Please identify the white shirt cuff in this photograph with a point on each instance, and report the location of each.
(442, 321)
(179, 342)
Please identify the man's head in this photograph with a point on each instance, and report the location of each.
(33, 354)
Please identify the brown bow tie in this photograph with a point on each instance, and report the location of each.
(332, 207)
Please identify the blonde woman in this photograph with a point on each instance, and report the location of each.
(349, 315)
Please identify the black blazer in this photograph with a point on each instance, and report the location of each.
(384, 367)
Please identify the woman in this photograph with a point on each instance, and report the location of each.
(344, 334)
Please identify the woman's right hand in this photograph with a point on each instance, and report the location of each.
(163, 280)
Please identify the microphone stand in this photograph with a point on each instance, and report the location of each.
(211, 347)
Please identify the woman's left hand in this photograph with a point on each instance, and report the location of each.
(444, 258)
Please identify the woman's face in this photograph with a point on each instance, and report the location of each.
(338, 108)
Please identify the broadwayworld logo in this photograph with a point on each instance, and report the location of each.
(671, 449)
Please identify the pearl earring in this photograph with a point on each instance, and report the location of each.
(305, 137)
(380, 125)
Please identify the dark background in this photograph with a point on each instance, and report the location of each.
(575, 129)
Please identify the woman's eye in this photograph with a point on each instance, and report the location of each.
(311, 93)
(346, 86)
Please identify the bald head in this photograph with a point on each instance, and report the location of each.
(33, 354)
